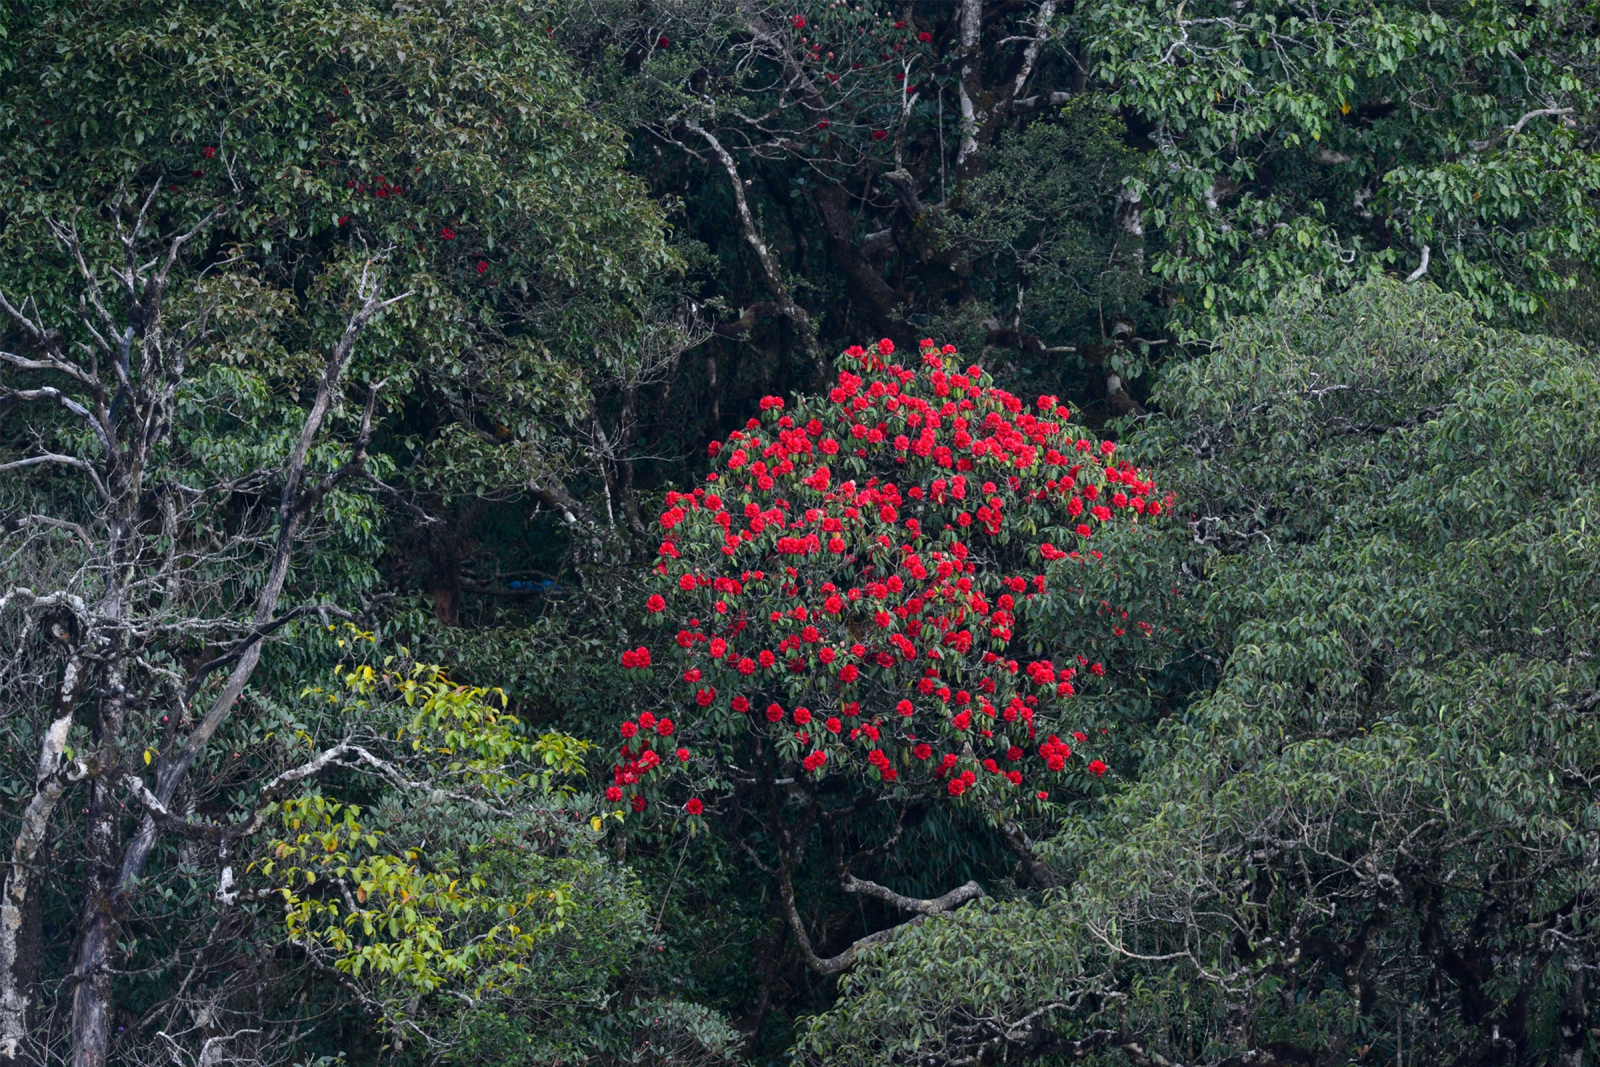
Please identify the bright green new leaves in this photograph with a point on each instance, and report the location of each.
(408, 913)
(422, 927)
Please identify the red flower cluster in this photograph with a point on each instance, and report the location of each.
(380, 187)
(866, 560)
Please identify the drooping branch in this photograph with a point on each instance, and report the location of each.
(770, 270)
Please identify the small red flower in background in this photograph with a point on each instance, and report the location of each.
(656, 603)
(823, 124)
(925, 37)
(798, 22)
(639, 803)
(663, 41)
(899, 25)
(208, 152)
(614, 793)
(1097, 768)
(482, 266)
(447, 233)
(878, 135)
(694, 806)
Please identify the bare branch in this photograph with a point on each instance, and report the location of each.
(770, 271)
(1513, 130)
(69, 461)
(1422, 268)
(51, 393)
(292, 510)
(948, 902)
(846, 959)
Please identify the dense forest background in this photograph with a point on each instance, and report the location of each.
(357, 363)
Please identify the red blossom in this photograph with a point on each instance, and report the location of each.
(918, 562)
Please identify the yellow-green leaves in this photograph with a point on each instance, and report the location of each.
(405, 910)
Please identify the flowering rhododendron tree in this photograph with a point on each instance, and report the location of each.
(848, 586)
(842, 598)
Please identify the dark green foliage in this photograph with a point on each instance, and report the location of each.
(1353, 813)
(1377, 829)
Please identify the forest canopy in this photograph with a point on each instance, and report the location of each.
(701, 532)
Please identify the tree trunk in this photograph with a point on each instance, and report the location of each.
(92, 995)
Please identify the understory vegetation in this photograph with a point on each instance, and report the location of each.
(685, 532)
